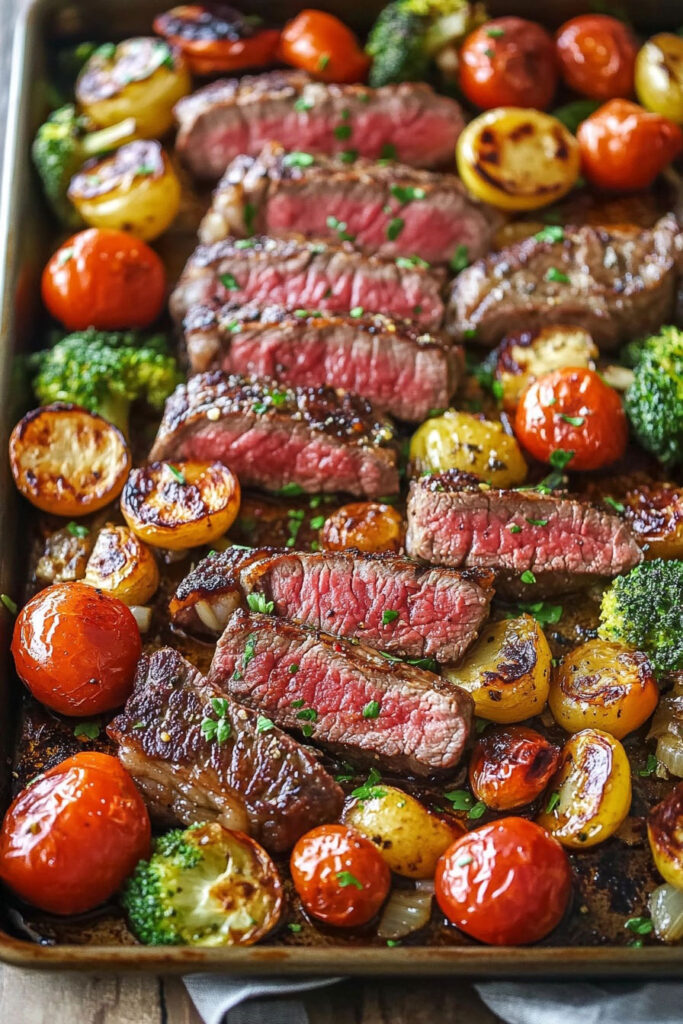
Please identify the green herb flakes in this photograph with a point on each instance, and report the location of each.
(460, 799)
(176, 474)
(343, 131)
(553, 274)
(550, 233)
(356, 312)
(370, 790)
(639, 925)
(264, 724)
(77, 529)
(317, 522)
(258, 603)
(527, 576)
(477, 810)
(649, 767)
(407, 193)
(552, 802)
(560, 458)
(388, 151)
(345, 878)
(371, 709)
(574, 421)
(228, 281)
(616, 505)
(394, 228)
(298, 159)
(389, 616)
(87, 730)
(460, 259)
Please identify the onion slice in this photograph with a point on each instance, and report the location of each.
(667, 728)
(407, 911)
(666, 910)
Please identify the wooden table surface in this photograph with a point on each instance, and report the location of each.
(28, 997)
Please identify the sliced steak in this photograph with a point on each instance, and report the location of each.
(300, 274)
(261, 782)
(399, 368)
(388, 602)
(408, 122)
(616, 282)
(452, 521)
(347, 697)
(272, 437)
(384, 208)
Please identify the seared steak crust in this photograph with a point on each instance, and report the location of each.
(262, 782)
(409, 122)
(400, 369)
(272, 436)
(347, 697)
(616, 282)
(390, 603)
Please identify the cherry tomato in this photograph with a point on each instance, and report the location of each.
(76, 649)
(597, 56)
(507, 883)
(104, 279)
(509, 62)
(70, 839)
(572, 410)
(365, 525)
(341, 877)
(511, 766)
(624, 147)
(217, 39)
(322, 45)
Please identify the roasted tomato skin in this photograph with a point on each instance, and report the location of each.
(321, 44)
(597, 56)
(665, 834)
(365, 525)
(212, 44)
(104, 279)
(624, 147)
(511, 766)
(76, 649)
(572, 410)
(508, 62)
(507, 883)
(340, 876)
(70, 839)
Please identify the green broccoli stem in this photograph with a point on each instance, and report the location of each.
(108, 138)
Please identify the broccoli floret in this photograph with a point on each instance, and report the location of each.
(61, 146)
(645, 610)
(105, 372)
(654, 401)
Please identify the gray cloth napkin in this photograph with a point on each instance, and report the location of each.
(241, 1000)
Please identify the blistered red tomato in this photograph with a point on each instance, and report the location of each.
(508, 62)
(76, 649)
(507, 883)
(624, 147)
(341, 877)
(321, 44)
(70, 839)
(511, 766)
(571, 418)
(597, 56)
(217, 39)
(104, 279)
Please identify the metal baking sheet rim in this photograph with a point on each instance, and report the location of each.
(472, 961)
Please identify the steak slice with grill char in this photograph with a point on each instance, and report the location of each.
(261, 782)
(399, 368)
(408, 122)
(301, 274)
(385, 208)
(272, 437)
(561, 541)
(616, 282)
(347, 697)
(387, 602)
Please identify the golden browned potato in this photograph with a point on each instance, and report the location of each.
(182, 504)
(68, 461)
(410, 838)
(507, 671)
(459, 440)
(655, 514)
(590, 795)
(65, 554)
(522, 358)
(665, 832)
(122, 566)
(604, 685)
(365, 525)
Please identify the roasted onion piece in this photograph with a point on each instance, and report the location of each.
(511, 766)
(665, 832)
(122, 566)
(365, 525)
(666, 911)
(524, 357)
(655, 514)
(667, 729)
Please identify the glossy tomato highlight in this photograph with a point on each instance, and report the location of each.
(321, 44)
(214, 40)
(511, 766)
(507, 883)
(508, 62)
(597, 56)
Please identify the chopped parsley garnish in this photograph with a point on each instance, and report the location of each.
(650, 766)
(302, 105)
(428, 664)
(460, 259)
(574, 421)
(258, 603)
(244, 243)
(218, 728)
(537, 522)
(370, 790)
(488, 52)
(307, 715)
(290, 490)
(249, 217)
(323, 61)
(264, 724)
(371, 709)
(345, 878)
(294, 927)
(477, 811)
(391, 943)
(87, 730)
(340, 227)
(470, 333)
(407, 193)
(259, 408)
(388, 616)
(410, 262)
(394, 228)
(514, 528)
(495, 33)
(348, 156)
(343, 131)
(527, 576)
(551, 233)
(497, 389)
(552, 802)
(293, 669)
(317, 522)
(175, 472)
(553, 274)
(298, 159)
(543, 612)
(639, 925)
(299, 703)
(356, 312)
(77, 529)
(560, 458)
(388, 151)
(307, 730)
(613, 503)
(228, 281)
(460, 799)
(249, 651)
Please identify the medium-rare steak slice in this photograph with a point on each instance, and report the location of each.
(384, 208)
(388, 602)
(301, 274)
(616, 282)
(399, 368)
(453, 521)
(408, 122)
(343, 695)
(273, 436)
(237, 772)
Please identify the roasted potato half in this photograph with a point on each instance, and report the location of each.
(655, 514)
(410, 838)
(507, 671)
(603, 685)
(141, 78)
(523, 357)
(365, 525)
(459, 440)
(511, 766)
(517, 159)
(659, 75)
(182, 504)
(133, 189)
(122, 566)
(68, 461)
(590, 795)
(665, 832)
